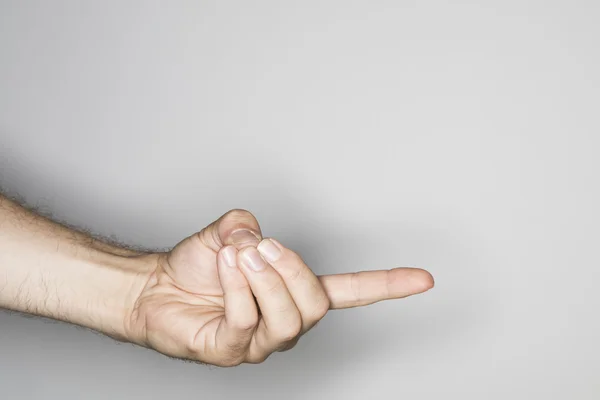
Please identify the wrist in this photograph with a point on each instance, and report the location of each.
(115, 284)
(50, 270)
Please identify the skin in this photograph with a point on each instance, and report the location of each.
(223, 296)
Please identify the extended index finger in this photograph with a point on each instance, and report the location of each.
(368, 287)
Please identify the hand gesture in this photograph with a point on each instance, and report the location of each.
(226, 296)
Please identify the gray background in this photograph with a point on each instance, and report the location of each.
(461, 138)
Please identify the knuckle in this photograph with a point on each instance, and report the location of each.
(295, 269)
(295, 274)
(230, 361)
(257, 359)
(322, 307)
(276, 286)
(355, 287)
(247, 323)
(290, 331)
(238, 214)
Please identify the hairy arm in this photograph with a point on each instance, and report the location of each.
(50, 270)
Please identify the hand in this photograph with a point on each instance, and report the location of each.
(225, 296)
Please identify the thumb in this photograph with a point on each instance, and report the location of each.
(236, 227)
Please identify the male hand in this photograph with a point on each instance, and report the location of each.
(226, 296)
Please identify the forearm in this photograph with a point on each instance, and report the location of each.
(50, 270)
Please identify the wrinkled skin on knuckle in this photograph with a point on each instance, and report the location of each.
(277, 286)
(294, 274)
(239, 214)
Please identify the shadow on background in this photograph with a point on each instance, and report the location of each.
(345, 340)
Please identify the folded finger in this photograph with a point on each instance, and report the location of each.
(302, 283)
(236, 329)
(281, 321)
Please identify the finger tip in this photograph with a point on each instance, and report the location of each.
(227, 249)
(244, 251)
(227, 256)
(427, 280)
(243, 237)
(420, 279)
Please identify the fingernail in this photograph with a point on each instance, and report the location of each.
(244, 236)
(252, 258)
(229, 256)
(269, 250)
